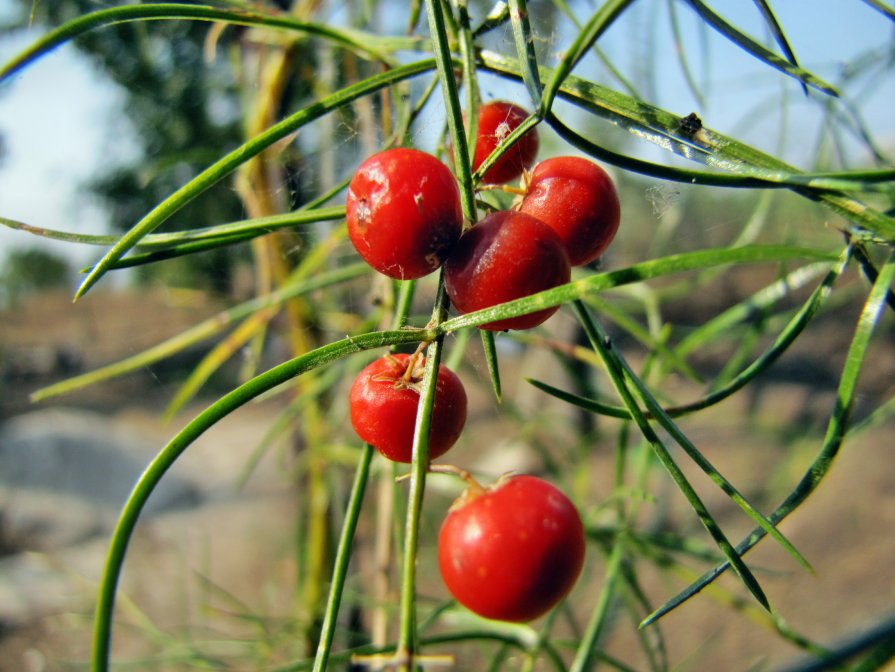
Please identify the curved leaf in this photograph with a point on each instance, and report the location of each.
(200, 332)
(231, 401)
(241, 155)
(678, 263)
(616, 366)
(368, 44)
(742, 165)
(786, 338)
(779, 35)
(758, 51)
(837, 428)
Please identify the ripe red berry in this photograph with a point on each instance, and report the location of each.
(513, 551)
(384, 399)
(506, 256)
(578, 200)
(404, 214)
(497, 120)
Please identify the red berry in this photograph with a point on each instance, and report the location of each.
(403, 212)
(512, 551)
(384, 400)
(497, 120)
(578, 200)
(506, 256)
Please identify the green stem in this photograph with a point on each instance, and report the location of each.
(616, 369)
(470, 76)
(445, 65)
(598, 282)
(407, 639)
(585, 653)
(525, 51)
(159, 466)
(742, 165)
(505, 144)
(407, 643)
(343, 556)
(599, 22)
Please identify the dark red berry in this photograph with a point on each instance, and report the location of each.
(404, 214)
(506, 256)
(497, 120)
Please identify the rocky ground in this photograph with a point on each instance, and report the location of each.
(66, 465)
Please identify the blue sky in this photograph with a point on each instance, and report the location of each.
(56, 116)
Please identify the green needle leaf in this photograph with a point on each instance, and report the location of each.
(678, 263)
(785, 339)
(740, 164)
(200, 332)
(779, 35)
(525, 51)
(343, 556)
(703, 463)
(878, 5)
(241, 155)
(616, 368)
(367, 44)
(758, 51)
(154, 472)
(835, 435)
(604, 17)
(490, 348)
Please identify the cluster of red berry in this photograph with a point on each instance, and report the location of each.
(405, 219)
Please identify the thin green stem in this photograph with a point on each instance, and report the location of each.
(525, 51)
(445, 65)
(752, 47)
(343, 556)
(504, 145)
(604, 17)
(585, 652)
(179, 250)
(614, 366)
(159, 466)
(470, 76)
(664, 266)
(742, 165)
(418, 470)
